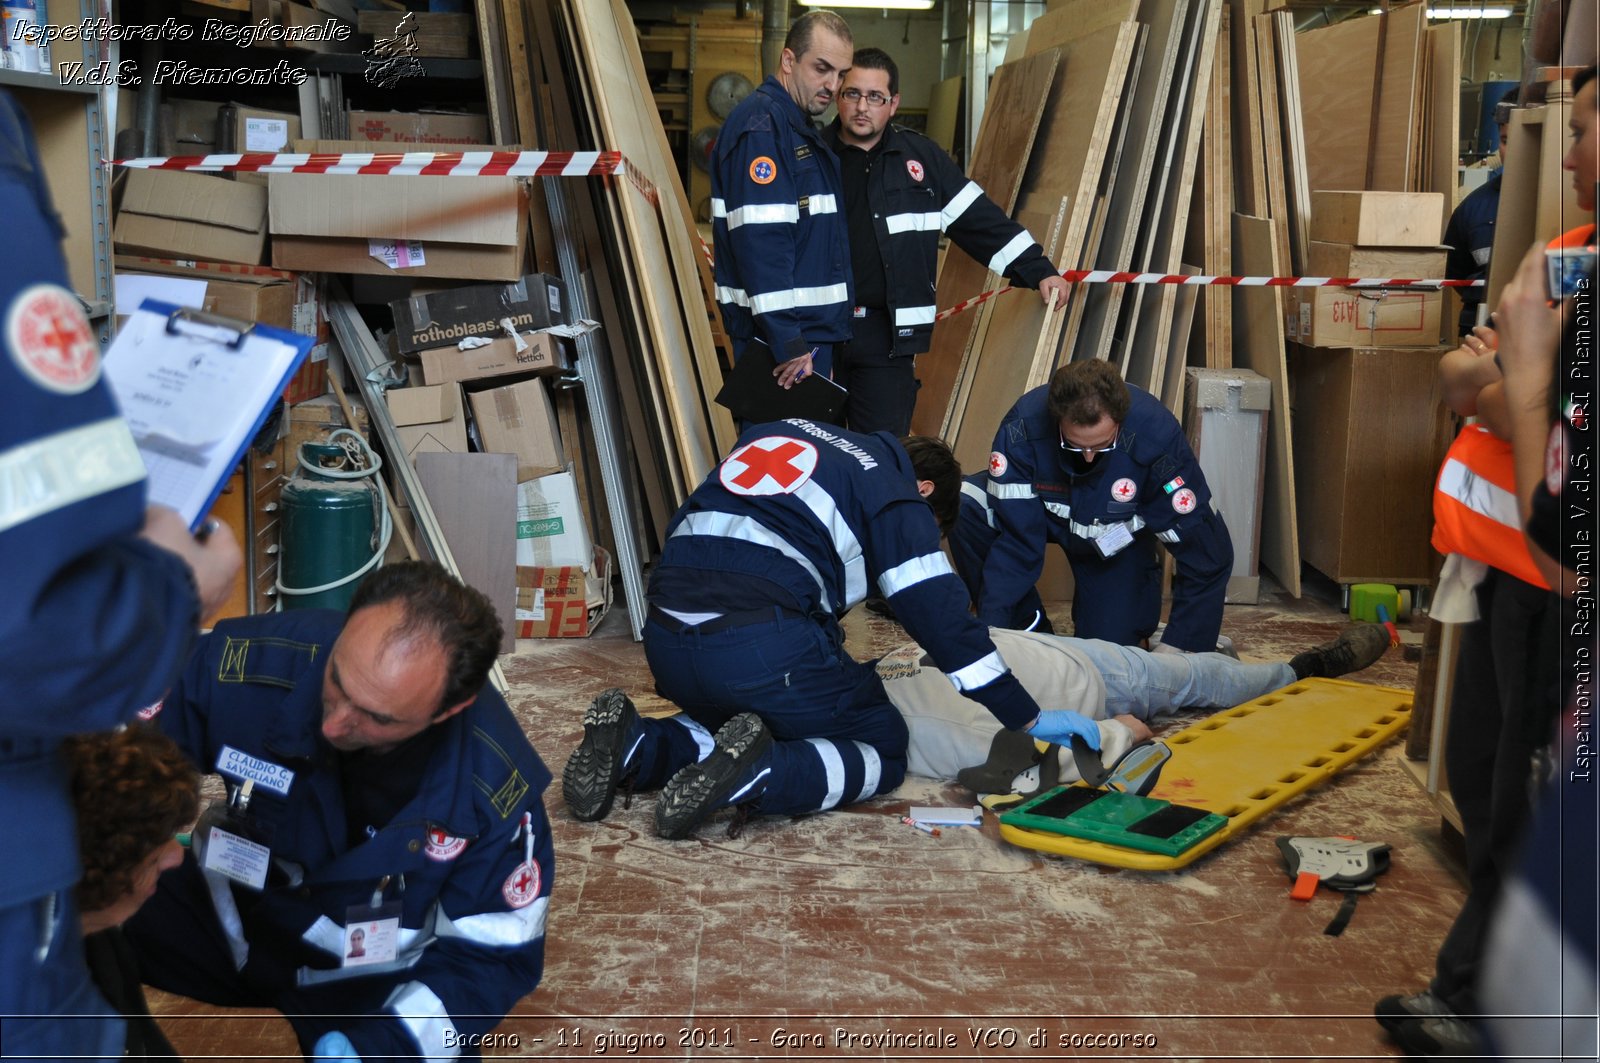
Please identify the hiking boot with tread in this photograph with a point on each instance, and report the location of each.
(1357, 646)
(589, 781)
(1425, 1026)
(698, 790)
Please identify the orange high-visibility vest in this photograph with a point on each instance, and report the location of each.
(1475, 512)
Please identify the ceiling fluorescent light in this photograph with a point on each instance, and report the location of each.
(882, 5)
(1469, 12)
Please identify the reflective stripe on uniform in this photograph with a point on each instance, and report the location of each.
(747, 529)
(759, 214)
(845, 543)
(1479, 494)
(832, 770)
(828, 204)
(1060, 509)
(1009, 491)
(907, 316)
(959, 203)
(980, 496)
(910, 573)
(1008, 254)
(423, 1014)
(981, 672)
(1094, 531)
(520, 926)
(788, 299)
(58, 470)
(874, 771)
(1169, 536)
(912, 223)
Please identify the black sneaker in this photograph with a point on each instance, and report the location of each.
(1356, 647)
(589, 782)
(698, 790)
(1424, 1025)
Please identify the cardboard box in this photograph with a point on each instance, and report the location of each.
(1363, 317)
(398, 127)
(188, 127)
(1386, 263)
(174, 214)
(519, 419)
(445, 35)
(469, 229)
(1380, 219)
(550, 524)
(1225, 419)
(541, 353)
(250, 129)
(565, 601)
(428, 420)
(535, 302)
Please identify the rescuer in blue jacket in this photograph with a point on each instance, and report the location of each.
(782, 256)
(779, 541)
(382, 773)
(99, 601)
(1103, 470)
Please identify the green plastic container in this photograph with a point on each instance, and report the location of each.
(328, 531)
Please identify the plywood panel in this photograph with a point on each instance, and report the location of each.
(1259, 345)
(1076, 19)
(474, 498)
(1250, 180)
(1017, 98)
(1291, 113)
(944, 108)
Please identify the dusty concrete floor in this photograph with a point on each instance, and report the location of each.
(847, 925)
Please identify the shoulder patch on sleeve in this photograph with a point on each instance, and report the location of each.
(763, 170)
(504, 790)
(268, 661)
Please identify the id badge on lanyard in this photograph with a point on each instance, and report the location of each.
(229, 843)
(1114, 540)
(372, 930)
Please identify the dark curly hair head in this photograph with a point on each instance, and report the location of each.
(439, 606)
(132, 790)
(1081, 392)
(933, 461)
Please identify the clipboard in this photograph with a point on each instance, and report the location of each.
(751, 392)
(195, 388)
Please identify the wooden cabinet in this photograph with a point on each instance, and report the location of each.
(1369, 436)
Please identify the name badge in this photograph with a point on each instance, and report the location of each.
(1116, 538)
(241, 766)
(371, 935)
(239, 859)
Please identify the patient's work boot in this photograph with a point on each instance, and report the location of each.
(1007, 770)
(610, 738)
(735, 772)
(1358, 646)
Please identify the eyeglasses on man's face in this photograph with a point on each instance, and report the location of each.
(1089, 451)
(873, 98)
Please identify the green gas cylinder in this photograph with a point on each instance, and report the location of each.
(329, 530)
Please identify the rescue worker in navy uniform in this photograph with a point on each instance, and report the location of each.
(100, 598)
(387, 785)
(901, 190)
(743, 635)
(1102, 469)
(1470, 233)
(782, 268)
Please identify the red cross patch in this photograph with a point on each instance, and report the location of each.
(998, 464)
(522, 885)
(1124, 490)
(50, 340)
(150, 712)
(772, 465)
(442, 846)
(914, 168)
(1184, 501)
(1555, 459)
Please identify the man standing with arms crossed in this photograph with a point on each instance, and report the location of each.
(901, 190)
(782, 267)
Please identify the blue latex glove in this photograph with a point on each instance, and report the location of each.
(335, 1046)
(1059, 725)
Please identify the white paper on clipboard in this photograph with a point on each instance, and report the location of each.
(194, 396)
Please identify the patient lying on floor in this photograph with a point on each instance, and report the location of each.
(1120, 687)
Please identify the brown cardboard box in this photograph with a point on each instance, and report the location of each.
(425, 320)
(542, 353)
(519, 419)
(1379, 219)
(428, 419)
(1379, 263)
(1363, 317)
(397, 127)
(188, 127)
(251, 129)
(566, 601)
(467, 229)
(173, 214)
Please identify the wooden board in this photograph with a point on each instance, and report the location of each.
(1272, 136)
(1165, 21)
(1443, 142)
(1259, 345)
(474, 498)
(1250, 180)
(1076, 132)
(1183, 313)
(944, 108)
(1017, 99)
(1292, 116)
(1074, 20)
(1341, 61)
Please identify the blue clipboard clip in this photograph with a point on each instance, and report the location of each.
(184, 315)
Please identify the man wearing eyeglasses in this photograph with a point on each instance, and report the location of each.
(901, 190)
(1102, 469)
(782, 268)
